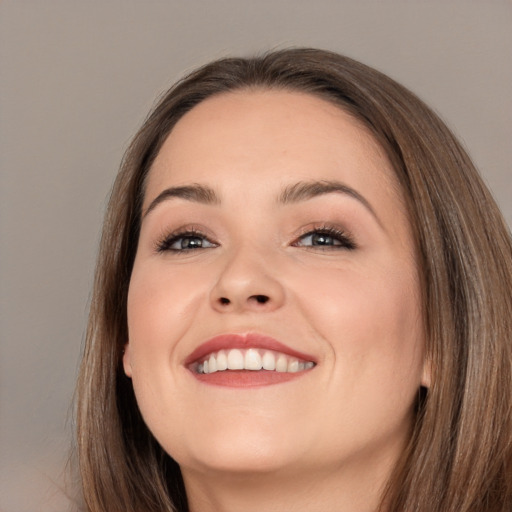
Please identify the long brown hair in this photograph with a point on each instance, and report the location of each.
(459, 458)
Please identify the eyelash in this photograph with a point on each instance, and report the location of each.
(346, 241)
(166, 242)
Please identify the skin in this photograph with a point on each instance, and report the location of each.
(329, 439)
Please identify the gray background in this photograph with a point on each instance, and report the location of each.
(76, 80)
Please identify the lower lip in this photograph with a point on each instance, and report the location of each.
(247, 378)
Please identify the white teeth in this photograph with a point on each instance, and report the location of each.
(235, 360)
(281, 363)
(212, 364)
(293, 366)
(222, 361)
(252, 359)
(269, 361)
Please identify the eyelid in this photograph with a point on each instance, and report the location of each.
(330, 229)
(167, 237)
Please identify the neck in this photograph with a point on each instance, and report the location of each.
(339, 489)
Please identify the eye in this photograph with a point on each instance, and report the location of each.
(184, 241)
(326, 238)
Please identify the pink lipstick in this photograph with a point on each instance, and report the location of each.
(247, 360)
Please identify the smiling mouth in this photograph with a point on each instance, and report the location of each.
(251, 359)
(247, 360)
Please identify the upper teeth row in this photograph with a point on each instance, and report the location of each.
(252, 359)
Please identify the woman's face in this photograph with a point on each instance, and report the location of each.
(274, 235)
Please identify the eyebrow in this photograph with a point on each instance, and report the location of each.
(195, 192)
(305, 190)
(298, 192)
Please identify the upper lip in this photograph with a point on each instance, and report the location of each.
(248, 340)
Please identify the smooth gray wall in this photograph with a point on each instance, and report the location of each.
(76, 80)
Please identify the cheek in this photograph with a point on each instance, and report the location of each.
(372, 325)
(370, 317)
(161, 306)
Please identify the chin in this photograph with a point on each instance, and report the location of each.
(243, 450)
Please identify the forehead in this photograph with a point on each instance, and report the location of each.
(255, 135)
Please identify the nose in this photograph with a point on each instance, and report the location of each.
(247, 283)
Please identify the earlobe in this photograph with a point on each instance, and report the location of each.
(127, 363)
(426, 375)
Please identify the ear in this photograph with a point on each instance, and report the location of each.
(426, 375)
(127, 360)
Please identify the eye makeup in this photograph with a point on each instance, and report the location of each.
(325, 237)
(184, 239)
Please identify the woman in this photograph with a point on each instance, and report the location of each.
(302, 302)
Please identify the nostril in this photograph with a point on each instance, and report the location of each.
(254, 299)
(260, 299)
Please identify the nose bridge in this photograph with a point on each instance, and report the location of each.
(248, 280)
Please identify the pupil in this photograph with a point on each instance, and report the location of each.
(322, 239)
(191, 242)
